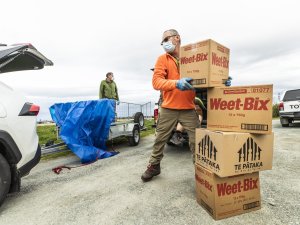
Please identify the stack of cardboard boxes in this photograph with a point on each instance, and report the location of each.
(238, 141)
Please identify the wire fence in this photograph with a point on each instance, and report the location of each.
(126, 110)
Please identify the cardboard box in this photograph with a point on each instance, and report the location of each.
(241, 109)
(230, 196)
(207, 62)
(232, 153)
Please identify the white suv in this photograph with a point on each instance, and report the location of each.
(19, 147)
(289, 107)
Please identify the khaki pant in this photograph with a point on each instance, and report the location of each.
(167, 121)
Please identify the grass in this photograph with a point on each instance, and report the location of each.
(149, 129)
(48, 133)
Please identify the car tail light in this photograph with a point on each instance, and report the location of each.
(29, 109)
(280, 106)
(155, 113)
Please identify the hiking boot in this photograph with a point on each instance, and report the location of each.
(152, 170)
(177, 139)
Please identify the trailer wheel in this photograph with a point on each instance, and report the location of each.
(135, 139)
(139, 118)
(5, 178)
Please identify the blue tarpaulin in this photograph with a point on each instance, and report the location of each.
(84, 127)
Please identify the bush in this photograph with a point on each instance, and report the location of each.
(275, 111)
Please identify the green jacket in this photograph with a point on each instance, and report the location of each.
(199, 102)
(108, 90)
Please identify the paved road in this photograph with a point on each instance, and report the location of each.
(110, 191)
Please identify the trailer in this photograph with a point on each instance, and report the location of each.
(129, 128)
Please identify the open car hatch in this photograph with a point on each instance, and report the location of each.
(21, 57)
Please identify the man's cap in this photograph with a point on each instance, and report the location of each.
(169, 33)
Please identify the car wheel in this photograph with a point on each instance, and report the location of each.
(135, 139)
(284, 122)
(139, 119)
(169, 138)
(5, 178)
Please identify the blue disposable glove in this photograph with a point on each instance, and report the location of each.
(183, 84)
(228, 82)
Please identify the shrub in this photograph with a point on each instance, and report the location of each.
(275, 111)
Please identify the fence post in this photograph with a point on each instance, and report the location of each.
(57, 132)
(128, 111)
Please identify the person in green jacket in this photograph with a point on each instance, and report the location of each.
(108, 88)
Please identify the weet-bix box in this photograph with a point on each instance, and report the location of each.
(229, 196)
(233, 153)
(240, 109)
(207, 62)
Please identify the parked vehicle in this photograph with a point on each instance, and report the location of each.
(289, 107)
(200, 93)
(19, 147)
(156, 111)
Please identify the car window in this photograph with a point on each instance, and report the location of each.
(292, 95)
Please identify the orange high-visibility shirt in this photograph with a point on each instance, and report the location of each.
(166, 73)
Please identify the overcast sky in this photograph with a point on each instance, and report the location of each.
(86, 39)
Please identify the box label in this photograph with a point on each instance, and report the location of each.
(247, 154)
(241, 186)
(249, 103)
(195, 58)
(221, 61)
(207, 153)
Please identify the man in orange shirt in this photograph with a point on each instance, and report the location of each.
(178, 101)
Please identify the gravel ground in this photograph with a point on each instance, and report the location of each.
(110, 191)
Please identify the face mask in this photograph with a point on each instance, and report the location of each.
(168, 46)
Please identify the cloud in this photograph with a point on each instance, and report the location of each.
(85, 40)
